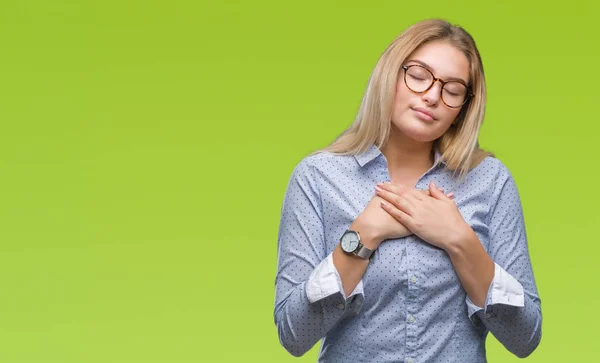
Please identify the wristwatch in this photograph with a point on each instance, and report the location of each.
(351, 244)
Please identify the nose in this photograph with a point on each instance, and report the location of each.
(432, 95)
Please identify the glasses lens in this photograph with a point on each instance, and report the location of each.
(418, 79)
(454, 94)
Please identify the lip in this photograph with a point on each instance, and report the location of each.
(424, 114)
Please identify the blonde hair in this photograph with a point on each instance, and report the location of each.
(459, 147)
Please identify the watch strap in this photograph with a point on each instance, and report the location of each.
(364, 253)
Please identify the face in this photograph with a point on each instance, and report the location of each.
(424, 116)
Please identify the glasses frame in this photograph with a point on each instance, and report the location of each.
(435, 79)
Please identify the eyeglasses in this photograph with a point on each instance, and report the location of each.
(420, 79)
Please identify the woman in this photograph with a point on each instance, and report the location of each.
(373, 257)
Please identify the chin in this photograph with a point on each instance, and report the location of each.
(416, 130)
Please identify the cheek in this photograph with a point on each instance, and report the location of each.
(402, 97)
(449, 115)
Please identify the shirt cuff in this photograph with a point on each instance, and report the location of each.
(504, 289)
(325, 281)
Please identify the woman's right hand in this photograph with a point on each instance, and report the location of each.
(375, 224)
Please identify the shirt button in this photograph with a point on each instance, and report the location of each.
(410, 360)
(411, 319)
(413, 279)
(341, 306)
(488, 315)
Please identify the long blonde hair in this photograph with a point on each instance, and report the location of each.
(458, 146)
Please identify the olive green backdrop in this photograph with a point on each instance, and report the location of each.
(145, 148)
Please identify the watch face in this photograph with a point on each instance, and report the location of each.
(349, 241)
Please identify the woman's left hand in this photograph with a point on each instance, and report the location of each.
(434, 218)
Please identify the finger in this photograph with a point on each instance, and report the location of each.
(434, 191)
(396, 200)
(411, 194)
(417, 194)
(398, 214)
(394, 188)
(397, 189)
(426, 191)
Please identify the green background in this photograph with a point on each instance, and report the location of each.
(145, 148)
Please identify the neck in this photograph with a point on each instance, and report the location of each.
(406, 154)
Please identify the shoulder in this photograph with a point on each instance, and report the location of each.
(503, 191)
(493, 170)
(490, 181)
(323, 162)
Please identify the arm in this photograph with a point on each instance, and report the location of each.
(501, 290)
(474, 267)
(309, 298)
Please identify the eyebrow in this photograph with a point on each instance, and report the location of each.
(432, 70)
